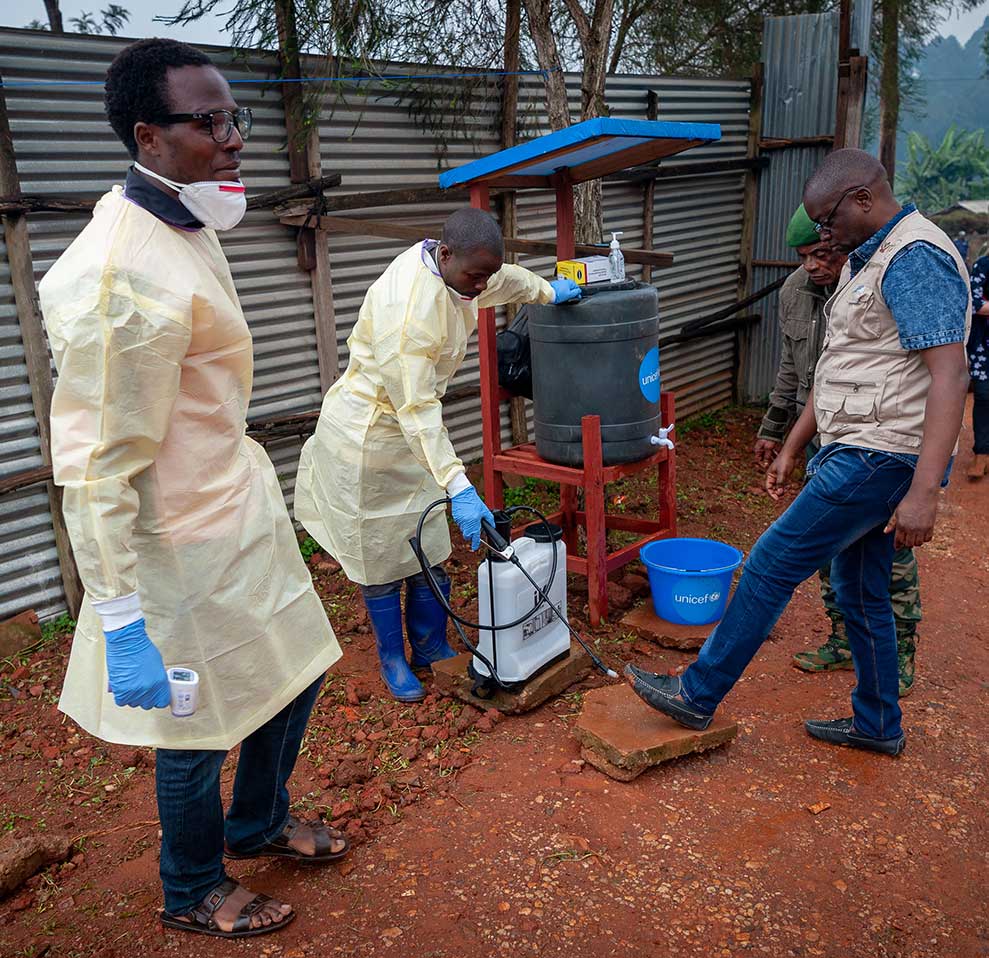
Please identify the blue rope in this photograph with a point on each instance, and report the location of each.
(21, 84)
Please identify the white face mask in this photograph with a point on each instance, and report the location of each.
(217, 204)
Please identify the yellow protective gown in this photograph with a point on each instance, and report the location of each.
(380, 453)
(163, 492)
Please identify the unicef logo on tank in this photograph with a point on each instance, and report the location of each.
(649, 375)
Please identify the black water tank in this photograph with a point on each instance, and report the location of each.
(598, 356)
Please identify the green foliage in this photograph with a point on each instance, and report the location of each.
(111, 20)
(308, 546)
(936, 177)
(54, 628)
(533, 492)
(704, 37)
(704, 421)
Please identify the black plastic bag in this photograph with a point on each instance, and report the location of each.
(515, 356)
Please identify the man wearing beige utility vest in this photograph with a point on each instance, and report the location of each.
(889, 391)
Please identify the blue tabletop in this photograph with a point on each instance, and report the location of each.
(586, 150)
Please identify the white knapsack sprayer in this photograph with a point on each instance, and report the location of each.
(505, 594)
(522, 599)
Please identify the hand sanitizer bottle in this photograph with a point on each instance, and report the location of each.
(616, 261)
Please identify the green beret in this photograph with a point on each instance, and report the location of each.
(800, 231)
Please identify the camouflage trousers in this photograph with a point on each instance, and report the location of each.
(904, 593)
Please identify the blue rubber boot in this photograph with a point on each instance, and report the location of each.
(425, 622)
(386, 618)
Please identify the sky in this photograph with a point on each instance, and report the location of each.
(18, 13)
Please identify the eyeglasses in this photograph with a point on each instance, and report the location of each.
(221, 122)
(821, 225)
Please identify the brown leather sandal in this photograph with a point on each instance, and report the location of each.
(280, 847)
(201, 921)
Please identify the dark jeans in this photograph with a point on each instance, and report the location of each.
(980, 416)
(191, 812)
(414, 581)
(838, 516)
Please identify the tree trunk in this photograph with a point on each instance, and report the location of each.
(595, 44)
(548, 56)
(889, 87)
(54, 16)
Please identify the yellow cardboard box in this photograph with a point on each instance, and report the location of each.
(588, 269)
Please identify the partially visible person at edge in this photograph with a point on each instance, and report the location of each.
(961, 244)
(978, 366)
(889, 392)
(177, 520)
(381, 452)
(802, 329)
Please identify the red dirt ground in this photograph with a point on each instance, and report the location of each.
(486, 839)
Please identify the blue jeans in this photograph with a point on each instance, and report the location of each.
(980, 415)
(191, 812)
(839, 516)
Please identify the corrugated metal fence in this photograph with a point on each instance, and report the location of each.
(800, 54)
(64, 146)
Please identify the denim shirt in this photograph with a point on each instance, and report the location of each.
(922, 287)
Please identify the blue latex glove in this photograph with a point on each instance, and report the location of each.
(137, 673)
(565, 290)
(468, 511)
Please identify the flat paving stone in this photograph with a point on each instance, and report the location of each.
(622, 736)
(644, 622)
(450, 676)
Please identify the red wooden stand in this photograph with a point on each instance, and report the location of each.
(524, 461)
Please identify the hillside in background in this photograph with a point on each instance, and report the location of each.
(953, 88)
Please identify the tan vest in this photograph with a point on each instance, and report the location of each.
(869, 390)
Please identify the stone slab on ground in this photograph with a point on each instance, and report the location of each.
(18, 633)
(622, 736)
(450, 676)
(20, 858)
(644, 622)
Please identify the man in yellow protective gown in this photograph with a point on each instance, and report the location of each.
(177, 520)
(381, 452)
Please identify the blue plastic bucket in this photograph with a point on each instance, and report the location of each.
(690, 578)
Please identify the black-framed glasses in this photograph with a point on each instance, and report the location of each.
(821, 225)
(221, 122)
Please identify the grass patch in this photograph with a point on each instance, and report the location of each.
(705, 421)
(54, 628)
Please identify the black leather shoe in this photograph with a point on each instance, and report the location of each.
(842, 732)
(663, 693)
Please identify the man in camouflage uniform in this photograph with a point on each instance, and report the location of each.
(802, 327)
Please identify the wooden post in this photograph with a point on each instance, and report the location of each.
(841, 106)
(324, 313)
(494, 488)
(305, 164)
(597, 533)
(666, 470)
(508, 200)
(649, 192)
(852, 78)
(750, 204)
(35, 350)
(844, 29)
(565, 248)
(292, 93)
